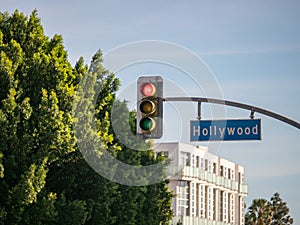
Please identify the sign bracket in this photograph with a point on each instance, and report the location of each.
(252, 115)
(199, 111)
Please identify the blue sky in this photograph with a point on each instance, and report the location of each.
(252, 47)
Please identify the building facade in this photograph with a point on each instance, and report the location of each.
(209, 190)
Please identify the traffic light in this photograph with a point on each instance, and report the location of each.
(150, 107)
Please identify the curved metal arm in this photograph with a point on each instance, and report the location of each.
(235, 104)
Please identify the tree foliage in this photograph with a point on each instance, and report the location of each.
(43, 177)
(273, 212)
(280, 211)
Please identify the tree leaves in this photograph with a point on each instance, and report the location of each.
(273, 212)
(44, 179)
(36, 89)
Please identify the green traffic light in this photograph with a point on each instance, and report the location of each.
(147, 124)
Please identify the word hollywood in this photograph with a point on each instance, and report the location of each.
(227, 130)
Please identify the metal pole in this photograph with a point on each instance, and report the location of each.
(234, 104)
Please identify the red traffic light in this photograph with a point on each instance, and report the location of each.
(147, 89)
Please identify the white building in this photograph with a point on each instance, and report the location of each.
(209, 190)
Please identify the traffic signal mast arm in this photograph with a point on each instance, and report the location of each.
(234, 104)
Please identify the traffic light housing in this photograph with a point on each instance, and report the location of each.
(150, 107)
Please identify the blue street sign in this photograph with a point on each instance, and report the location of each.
(226, 130)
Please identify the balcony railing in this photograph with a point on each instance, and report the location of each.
(243, 188)
(195, 172)
(188, 220)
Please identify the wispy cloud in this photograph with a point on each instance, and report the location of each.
(254, 50)
(273, 172)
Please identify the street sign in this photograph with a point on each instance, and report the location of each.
(225, 130)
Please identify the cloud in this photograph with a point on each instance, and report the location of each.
(255, 50)
(273, 172)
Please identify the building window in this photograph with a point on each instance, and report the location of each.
(221, 206)
(241, 178)
(181, 210)
(242, 211)
(184, 158)
(165, 154)
(232, 209)
(182, 198)
(193, 161)
(215, 207)
(214, 168)
(229, 208)
(193, 198)
(221, 171)
(197, 161)
(182, 183)
(197, 199)
(209, 166)
(225, 207)
(201, 163)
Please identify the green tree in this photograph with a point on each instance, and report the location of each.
(44, 179)
(74, 178)
(280, 211)
(263, 212)
(145, 205)
(36, 88)
(259, 213)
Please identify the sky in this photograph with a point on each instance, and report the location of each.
(252, 48)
